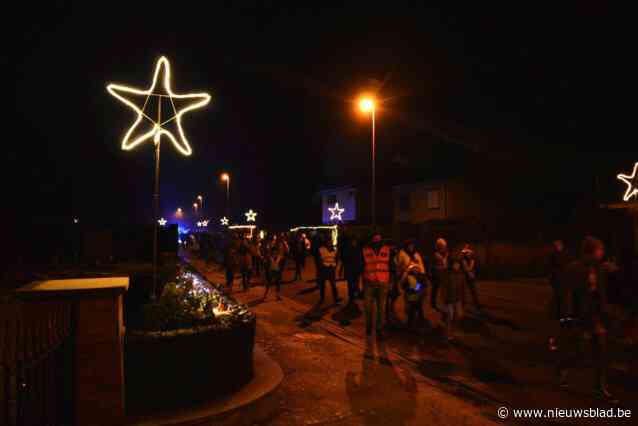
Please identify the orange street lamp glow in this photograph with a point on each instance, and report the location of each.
(225, 177)
(366, 104)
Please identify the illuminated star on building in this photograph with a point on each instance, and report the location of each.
(250, 216)
(155, 127)
(224, 221)
(161, 221)
(631, 181)
(204, 223)
(336, 212)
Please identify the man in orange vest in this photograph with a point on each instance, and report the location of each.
(376, 279)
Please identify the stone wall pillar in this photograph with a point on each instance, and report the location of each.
(99, 340)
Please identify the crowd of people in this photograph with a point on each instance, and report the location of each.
(379, 273)
(376, 271)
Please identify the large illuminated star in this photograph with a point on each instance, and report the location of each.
(136, 135)
(336, 212)
(250, 215)
(224, 221)
(161, 221)
(632, 188)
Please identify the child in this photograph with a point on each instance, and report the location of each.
(414, 289)
(274, 269)
(454, 288)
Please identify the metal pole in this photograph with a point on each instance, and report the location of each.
(156, 196)
(374, 178)
(228, 198)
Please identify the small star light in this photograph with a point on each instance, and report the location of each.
(204, 223)
(631, 181)
(161, 221)
(199, 224)
(336, 212)
(250, 215)
(156, 128)
(224, 221)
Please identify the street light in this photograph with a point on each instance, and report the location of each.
(367, 105)
(201, 202)
(226, 178)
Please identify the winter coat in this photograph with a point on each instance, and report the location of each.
(453, 286)
(579, 301)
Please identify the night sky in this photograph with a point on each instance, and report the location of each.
(541, 88)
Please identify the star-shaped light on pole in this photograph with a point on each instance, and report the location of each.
(631, 181)
(224, 221)
(135, 136)
(336, 212)
(251, 216)
(161, 221)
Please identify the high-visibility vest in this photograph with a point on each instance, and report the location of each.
(377, 266)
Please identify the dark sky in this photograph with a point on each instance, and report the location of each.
(540, 87)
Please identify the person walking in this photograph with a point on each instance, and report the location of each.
(468, 264)
(439, 270)
(274, 271)
(352, 261)
(453, 286)
(558, 260)
(376, 278)
(583, 312)
(412, 279)
(231, 262)
(328, 256)
(299, 253)
(255, 252)
(245, 264)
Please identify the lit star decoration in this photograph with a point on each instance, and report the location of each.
(204, 223)
(631, 181)
(224, 221)
(336, 212)
(250, 216)
(161, 221)
(136, 136)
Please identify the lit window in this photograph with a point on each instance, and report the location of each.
(434, 199)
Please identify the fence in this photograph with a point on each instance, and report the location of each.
(36, 363)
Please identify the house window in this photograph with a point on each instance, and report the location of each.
(332, 199)
(434, 199)
(404, 202)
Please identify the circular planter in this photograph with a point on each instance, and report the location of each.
(173, 369)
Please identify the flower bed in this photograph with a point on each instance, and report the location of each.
(195, 344)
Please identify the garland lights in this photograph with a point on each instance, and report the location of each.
(133, 136)
(630, 180)
(333, 228)
(251, 227)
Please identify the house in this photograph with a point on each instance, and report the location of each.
(441, 200)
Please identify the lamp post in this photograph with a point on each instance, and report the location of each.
(139, 134)
(201, 203)
(226, 177)
(366, 105)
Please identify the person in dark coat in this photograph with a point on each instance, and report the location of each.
(557, 262)
(440, 269)
(352, 261)
(583, 311)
